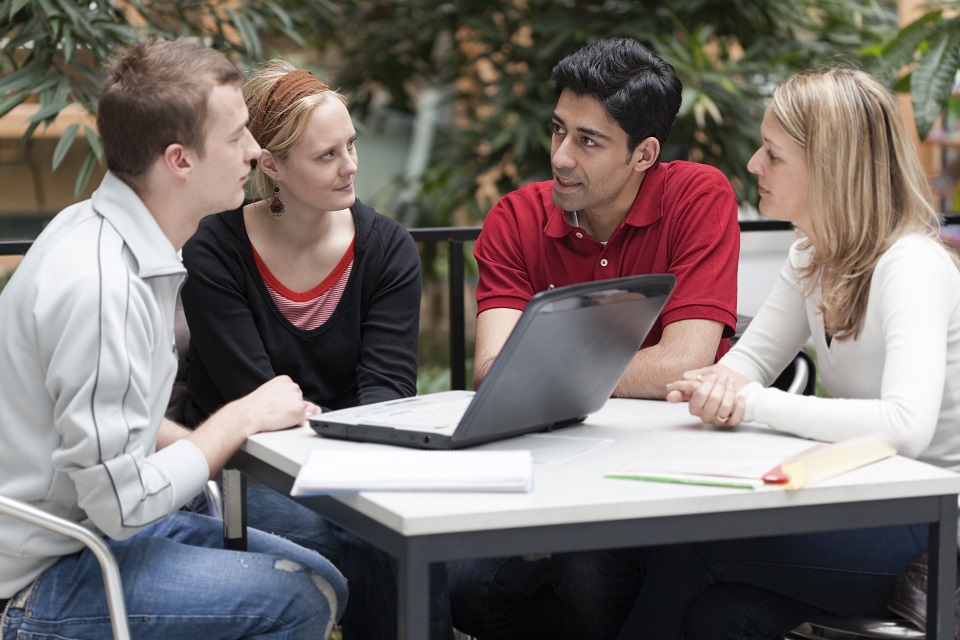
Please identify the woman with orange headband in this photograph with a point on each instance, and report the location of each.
(306, 281)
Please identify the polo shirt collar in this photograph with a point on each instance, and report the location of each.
(125, 211)
(647, 207)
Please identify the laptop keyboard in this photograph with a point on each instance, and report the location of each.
(436, 416)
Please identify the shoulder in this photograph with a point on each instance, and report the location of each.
(800, 253)
(217, 232)
(216, 224)
(85, 252)
(917, 255)
(680, 175)
(369, 221)
(380, 232)
(523, 211)
(88, 270)
(692, 195)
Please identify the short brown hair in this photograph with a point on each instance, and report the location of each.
(155, 94)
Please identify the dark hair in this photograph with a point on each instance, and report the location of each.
(638, 90)
(156, 94)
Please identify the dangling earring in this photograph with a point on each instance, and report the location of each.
(277, 207)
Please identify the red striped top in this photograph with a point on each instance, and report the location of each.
(310, 309)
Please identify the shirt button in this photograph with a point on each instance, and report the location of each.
(603, 262)
(579, 235)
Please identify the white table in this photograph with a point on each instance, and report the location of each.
(573, 507)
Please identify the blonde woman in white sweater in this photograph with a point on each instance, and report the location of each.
(872, 287)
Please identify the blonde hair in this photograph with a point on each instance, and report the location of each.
(867, 186)
(289, 124)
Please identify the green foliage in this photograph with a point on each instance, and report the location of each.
(53, 50)
(931, 44)
(494, 56)
(497, 56)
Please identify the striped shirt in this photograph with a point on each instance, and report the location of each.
(312, 308)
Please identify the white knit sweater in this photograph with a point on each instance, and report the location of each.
(900, 377)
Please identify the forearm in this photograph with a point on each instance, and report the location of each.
(481, 367)
(219, 437)
(653, 368)
(169, 433)
(684, 345)
(493, 328)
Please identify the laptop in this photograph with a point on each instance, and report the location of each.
(562, 361)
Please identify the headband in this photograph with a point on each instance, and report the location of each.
(279, 98)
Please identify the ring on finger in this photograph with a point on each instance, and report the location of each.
(722, 419)
(699, 377)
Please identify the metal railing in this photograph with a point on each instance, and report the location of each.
(456, 238)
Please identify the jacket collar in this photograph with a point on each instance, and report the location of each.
(125, 211)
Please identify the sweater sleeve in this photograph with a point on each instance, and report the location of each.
(222, 328)
(777, 332)
(387, 368)
(909, 316)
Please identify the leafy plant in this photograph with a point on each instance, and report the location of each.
(53, 50)
(497, 55)
(931, 45)
(491, 58)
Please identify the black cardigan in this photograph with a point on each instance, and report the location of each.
(365, 352)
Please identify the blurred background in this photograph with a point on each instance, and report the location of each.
(453, 99)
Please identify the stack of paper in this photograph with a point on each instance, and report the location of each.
(389, 469)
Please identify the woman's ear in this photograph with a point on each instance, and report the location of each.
(268, 164)
(646, 154)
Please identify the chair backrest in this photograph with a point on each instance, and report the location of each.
(108, 564)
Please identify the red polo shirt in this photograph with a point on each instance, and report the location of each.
(684, 222)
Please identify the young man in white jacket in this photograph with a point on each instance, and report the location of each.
(86, 338)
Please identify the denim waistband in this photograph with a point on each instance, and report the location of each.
(18, 600)
(4, 609)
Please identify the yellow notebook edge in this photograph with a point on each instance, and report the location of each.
(830, 460)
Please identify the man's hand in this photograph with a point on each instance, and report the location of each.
(277, 404)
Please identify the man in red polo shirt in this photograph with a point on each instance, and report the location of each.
(612, 209)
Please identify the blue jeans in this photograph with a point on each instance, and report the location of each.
(759, 589)
(180, 583)
(371, 572)
(558, 597)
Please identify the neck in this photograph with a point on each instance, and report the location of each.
(297, 228)
(176, 224)
(602, 220)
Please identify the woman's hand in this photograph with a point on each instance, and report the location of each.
(712, 394)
